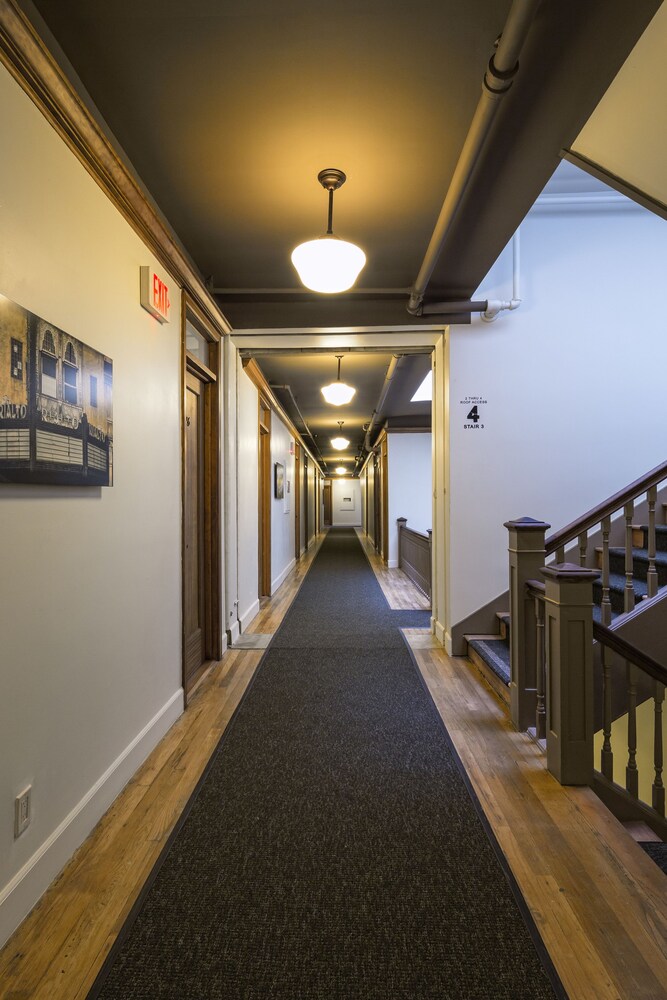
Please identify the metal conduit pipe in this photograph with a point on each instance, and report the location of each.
(377, 412)
(498, 79)
(489, 308)
(288, 388)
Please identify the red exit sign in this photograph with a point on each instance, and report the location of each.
(155, 294)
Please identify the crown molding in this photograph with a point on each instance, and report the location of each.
(583, 201)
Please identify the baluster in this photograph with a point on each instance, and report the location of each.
(629, 595)
(658, 786)
(583, 547)
(540, 712)
(631, 773)
(607, 756)
(605, 610)
(652, 575)
(560, 554)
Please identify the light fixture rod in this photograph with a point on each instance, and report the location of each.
(330, 222)
(340, 358)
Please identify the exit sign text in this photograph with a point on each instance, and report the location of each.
(155, 294)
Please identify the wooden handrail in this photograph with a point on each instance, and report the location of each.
(612, 640)
(605, 509)
(418, 534)
(536, 589)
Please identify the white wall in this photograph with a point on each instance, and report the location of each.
(282, 511)
(90, 593)
(345, 488)
(574, 383)
(636, 150)
(410, 490)
(247, 498)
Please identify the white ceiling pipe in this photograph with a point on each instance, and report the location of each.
(498, 78)
(495, 306)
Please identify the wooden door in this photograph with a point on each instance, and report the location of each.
(327, 505)
(265, 493)
(384, 499)
(202, 613)
(194, 620)
(377, 537)
(297, 501)
(305, 499)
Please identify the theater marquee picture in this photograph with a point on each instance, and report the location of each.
(56, 422)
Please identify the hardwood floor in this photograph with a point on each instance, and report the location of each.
(400, 591)
(599, 902)
(58, 950)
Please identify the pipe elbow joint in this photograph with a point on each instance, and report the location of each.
(414, 306)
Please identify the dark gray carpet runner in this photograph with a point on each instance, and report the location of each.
(333, 849)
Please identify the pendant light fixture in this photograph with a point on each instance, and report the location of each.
(341, 470)
(340, 443)
(328, 264)
(338, 393)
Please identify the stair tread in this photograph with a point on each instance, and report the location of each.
(617, 582)
(640, 554)
(495, 652)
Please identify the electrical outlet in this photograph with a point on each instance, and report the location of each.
(22, 811)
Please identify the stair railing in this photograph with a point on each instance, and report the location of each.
(602, 515)
(529, 550)
(564, 688)
(536, 590)
(642, 684)
(415, 555)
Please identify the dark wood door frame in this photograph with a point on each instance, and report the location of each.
(327, 505)
(297, 501)
(203, 375)
(384, 474)
(305, 499)
(265, 493)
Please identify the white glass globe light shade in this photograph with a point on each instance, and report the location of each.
(341, 470)
(338, 393)
(327, 264)
(340, 444)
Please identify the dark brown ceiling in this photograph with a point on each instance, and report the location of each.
(228, 110)
(305, 374)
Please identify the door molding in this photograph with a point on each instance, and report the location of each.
(207, 371)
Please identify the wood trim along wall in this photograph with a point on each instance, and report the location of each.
(256, 376)
(36, 71)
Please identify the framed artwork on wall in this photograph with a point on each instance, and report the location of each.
(56, 413)
(278, 481)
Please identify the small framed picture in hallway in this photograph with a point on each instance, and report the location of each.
(278, 481)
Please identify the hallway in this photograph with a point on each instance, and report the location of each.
(333, 850)
(59, 950)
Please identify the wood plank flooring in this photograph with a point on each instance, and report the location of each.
(599, 902)
(400, 591)
(58, 950)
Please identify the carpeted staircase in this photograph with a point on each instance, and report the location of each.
(491, 653)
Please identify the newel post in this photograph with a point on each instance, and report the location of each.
(429, 532)
(401, 522)
(569, 655)
(527, 557)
